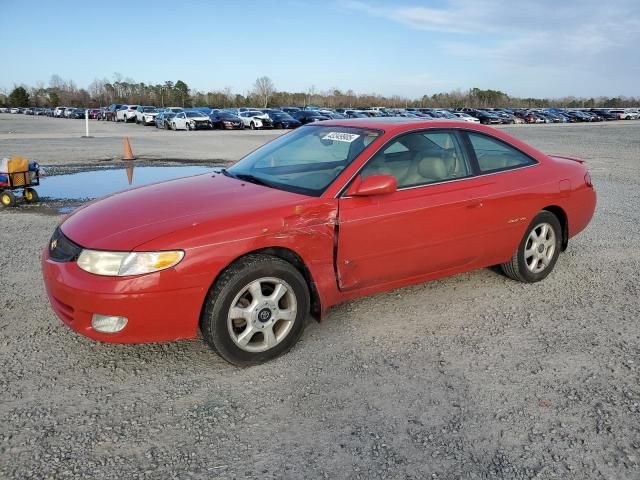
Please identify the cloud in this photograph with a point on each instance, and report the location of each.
(522, 32)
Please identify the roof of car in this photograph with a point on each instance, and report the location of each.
(397, 123)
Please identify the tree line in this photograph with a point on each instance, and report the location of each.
(103, 92)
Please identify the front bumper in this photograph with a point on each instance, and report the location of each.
(201, 125)
(156, 310)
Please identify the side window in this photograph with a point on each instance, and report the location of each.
(494, 155)
(421, 158)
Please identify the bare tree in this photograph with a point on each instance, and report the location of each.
(264, 89)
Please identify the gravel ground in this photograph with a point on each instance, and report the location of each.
(472, 377)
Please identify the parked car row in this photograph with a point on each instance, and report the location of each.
(178, 118)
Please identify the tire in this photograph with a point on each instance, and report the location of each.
(173, 127)
(245, 341)
(30, 195)
(538, 251)
(252, 126)
(188, 127)
(7, 199)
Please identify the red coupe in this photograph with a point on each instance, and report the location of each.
(329, 212)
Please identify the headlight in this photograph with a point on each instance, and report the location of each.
(122, 264)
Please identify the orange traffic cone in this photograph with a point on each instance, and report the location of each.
(128, 154)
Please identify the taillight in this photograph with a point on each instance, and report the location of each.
(587, 180)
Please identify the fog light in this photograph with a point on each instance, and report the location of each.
(108, 323)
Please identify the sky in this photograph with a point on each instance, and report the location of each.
(526, 48)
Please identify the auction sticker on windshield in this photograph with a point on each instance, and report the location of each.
(340, 136)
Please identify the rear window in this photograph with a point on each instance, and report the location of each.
(494, 155)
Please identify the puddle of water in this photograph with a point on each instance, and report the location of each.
(89, 185)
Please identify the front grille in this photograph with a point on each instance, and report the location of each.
(61, 249)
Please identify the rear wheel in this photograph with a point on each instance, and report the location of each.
(256, 310)
(8, 199)
(252, 126)
(30, 195)
(538, 251)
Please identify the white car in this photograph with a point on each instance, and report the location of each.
(255, 119)
(68, 112)
(624, 114)
(15, 110)
(127, 113)
(59, 111)
(146, 115)
(191, 120)
(466, 117)
(172, 109)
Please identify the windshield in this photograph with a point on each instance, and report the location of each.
(195, 114)
(282, 116)
(305, 161)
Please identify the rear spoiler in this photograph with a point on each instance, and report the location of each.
(579, 160)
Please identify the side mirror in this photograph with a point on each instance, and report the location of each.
(373, 185)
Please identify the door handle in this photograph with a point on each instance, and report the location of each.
(475, 204)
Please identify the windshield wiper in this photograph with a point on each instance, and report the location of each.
(252, 178)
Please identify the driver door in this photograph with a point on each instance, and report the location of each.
(425, 227)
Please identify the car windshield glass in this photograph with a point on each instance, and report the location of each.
(254, 113)
(226, 115)
(281, 116)
(150, 110)
(194, 114)
(307, 160)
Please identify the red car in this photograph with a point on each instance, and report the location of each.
(327, 213)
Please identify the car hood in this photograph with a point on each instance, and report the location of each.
(200, 204)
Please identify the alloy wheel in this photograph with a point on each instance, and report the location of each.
(540, 247)
(262, 314)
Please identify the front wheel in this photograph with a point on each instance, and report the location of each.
(30, 195)
(252, 126)
(256, 310)
(538, 251)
